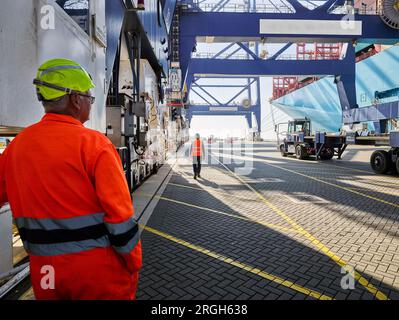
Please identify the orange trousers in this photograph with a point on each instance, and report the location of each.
(98, 274)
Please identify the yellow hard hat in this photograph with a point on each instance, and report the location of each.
(59, 77)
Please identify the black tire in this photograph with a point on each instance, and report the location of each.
(142, 173)
(282, 151)
(155, 168)
(380, 162)
(397, 165)
(327, 154)
(392, 164)
(134, 179)
(300, 152)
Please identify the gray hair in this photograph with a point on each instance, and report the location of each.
(197, 136)
(56, 105)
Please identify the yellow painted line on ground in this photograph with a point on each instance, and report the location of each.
(320, 162)
(320, 246)
(356, 188)
(240, 265)
(346, 168)
(184, 174)
(265, 224)
(385, 178)
(324, 163)
(328, 183)
(349, 189)
(365, 180)
(187, 176)
(213, 190)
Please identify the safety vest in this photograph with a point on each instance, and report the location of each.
(197, 148)
(71, 203)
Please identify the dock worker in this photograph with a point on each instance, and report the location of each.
(197, 153)
(69, 197)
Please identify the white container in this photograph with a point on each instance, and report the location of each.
(25, 44)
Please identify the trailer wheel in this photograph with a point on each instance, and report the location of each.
(379, 161)
(282, 151)
(134, 178)
(300, 152)
(327, 154)
(135, 175)
(142, 173)
(397, 165)
(155, 168)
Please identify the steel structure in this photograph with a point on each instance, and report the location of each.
(242, 87)
(248, 88)
(285, 22)
(317, 51)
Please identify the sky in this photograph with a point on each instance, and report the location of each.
(231, 126)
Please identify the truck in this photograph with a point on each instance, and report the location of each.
(300, 141)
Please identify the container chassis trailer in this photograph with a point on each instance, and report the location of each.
(381, 161)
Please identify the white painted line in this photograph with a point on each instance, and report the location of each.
(264, 180)
(304, 198)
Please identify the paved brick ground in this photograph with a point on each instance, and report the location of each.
(357, 220)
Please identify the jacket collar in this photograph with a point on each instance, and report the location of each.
(61, 118)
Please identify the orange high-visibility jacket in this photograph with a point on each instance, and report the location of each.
(70, 201)
(197, 148)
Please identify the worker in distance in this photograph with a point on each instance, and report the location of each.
(197, 154)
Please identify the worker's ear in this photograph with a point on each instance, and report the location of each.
(75, 102)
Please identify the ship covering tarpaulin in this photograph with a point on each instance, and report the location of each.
(320, 102)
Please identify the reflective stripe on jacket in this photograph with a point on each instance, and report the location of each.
(51, 237)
